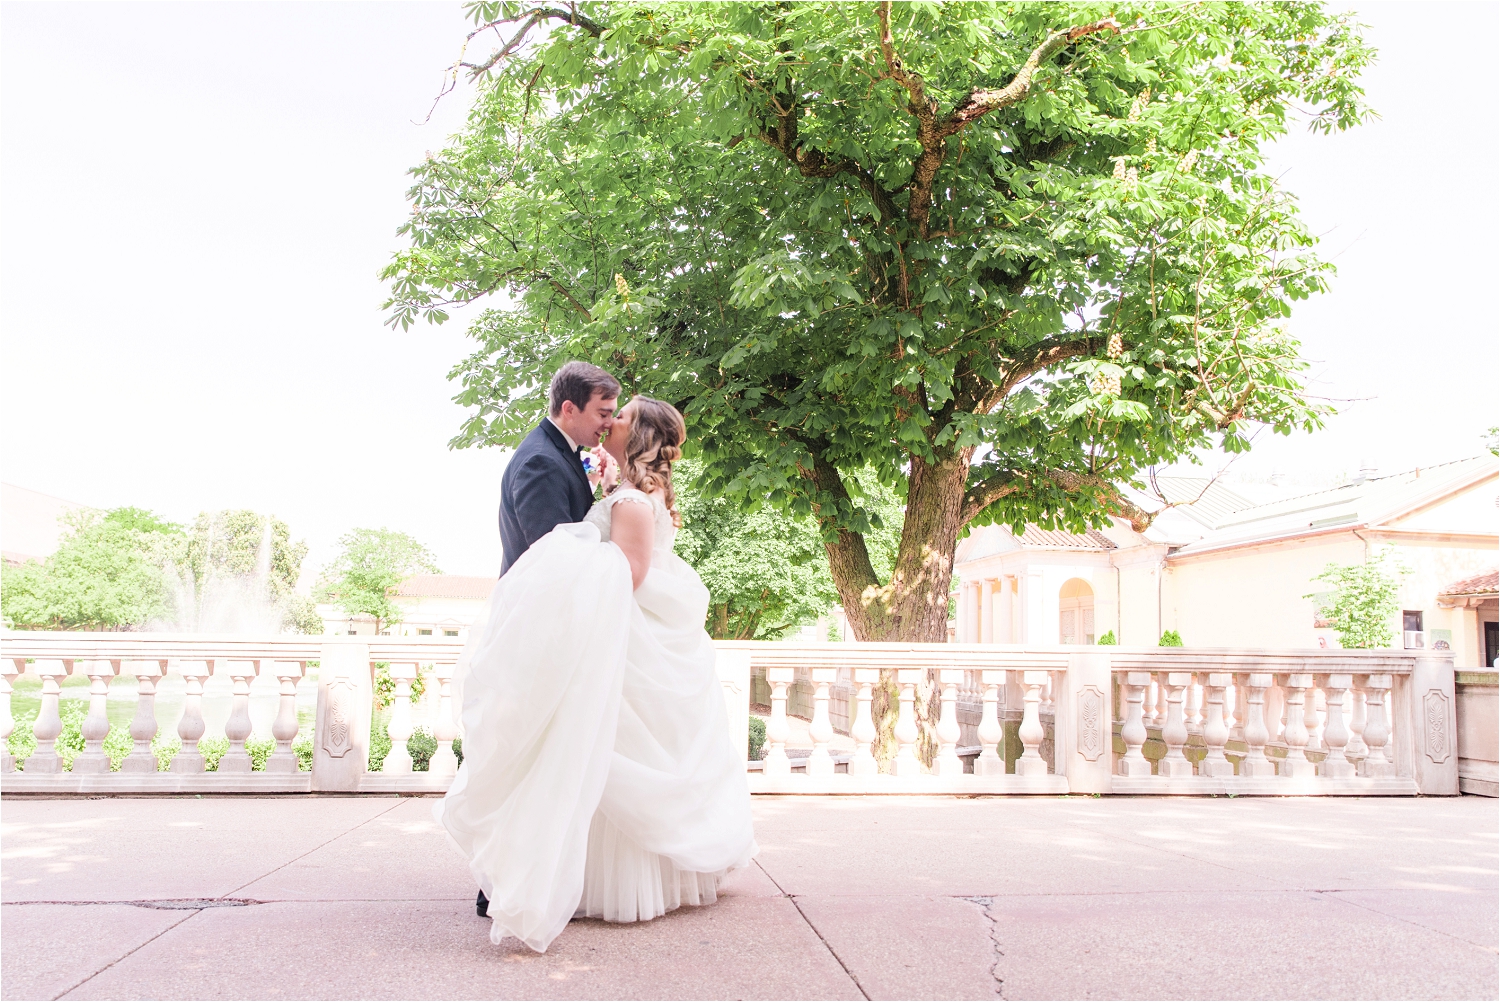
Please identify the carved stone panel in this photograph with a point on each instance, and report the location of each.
(338, 737)
(1436, 742)
(1091, 737)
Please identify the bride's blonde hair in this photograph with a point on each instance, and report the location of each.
(657, 432)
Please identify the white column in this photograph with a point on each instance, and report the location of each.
(1377, 731)
(1174, 732)
(14, 667)
(445, 728)
(1133, 686)
(1335, 734)
(987, 611)
(48, 724)
(819, 762)
(962, 631)
(237, 728)
(1034, 627)
(990, 762)
(398, 759)
(1005, 616)
(1257, 734)
(948, 763)
(190, 726)
(1031, 762)
(143, 727)
(972, 598)
(1215, 730)
(284, 730)
(96, 725)
(775, 761)
(907, 763)
(1296, 764)
(863, 730)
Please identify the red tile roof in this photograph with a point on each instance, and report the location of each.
(445, 586)
(1479, 584)
(1057, 539)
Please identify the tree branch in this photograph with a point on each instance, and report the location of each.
(985, 493)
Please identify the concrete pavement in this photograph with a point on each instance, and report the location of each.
(856, 897)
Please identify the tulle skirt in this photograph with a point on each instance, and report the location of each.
(599, 778)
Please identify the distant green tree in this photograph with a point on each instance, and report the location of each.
(371, 564)
(1108, 640)
(106, 574)
(765, 570)
(1170, 638)
(1491, 438)
(1362, 609)
(229, 542)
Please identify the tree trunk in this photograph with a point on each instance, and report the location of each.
(913, 605)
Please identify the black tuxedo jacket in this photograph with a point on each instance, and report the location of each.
(544, 486)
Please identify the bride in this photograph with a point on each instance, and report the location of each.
(599, 778)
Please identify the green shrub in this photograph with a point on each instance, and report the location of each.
(385, 686)
(166, 745)
(422, 746)
(117, 744)
(260, 749)
(212, 749)
(1170, 638)
(380, 742)
(23, 739)
(1108, 640)
(757, 737)
(458, 750)
(303, 746)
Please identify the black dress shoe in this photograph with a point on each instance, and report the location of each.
(482, 906)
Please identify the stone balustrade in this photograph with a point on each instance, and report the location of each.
(345, 686)
(1048, 720)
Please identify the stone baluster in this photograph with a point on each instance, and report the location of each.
(17, 666)
(444, 727)
(1257, 734)
(990, 761)
(1377, 761)
(398, 759)
(237, 728)
(1355, 749)
(1174, 732)
(1215, 731)
(48, 724)
(1310, 721)
(1276, 712)
(285, 727)
(907, 763)
(775, 761)
(863, 729)
(96, 725)
(1135, 685)
(819, 762)
(1296, 765)
(1335, 735)
(948, 763)
(190, 727)
(1158, 701)
(143, 727)
(1236, 722)
(1192, 705)
(1031, 733)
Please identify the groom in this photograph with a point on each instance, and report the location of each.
(544, 483)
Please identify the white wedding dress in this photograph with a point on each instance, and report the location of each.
(599, 778)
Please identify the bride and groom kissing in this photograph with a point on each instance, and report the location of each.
(599, 779)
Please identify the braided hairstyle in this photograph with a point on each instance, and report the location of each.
(657, 432)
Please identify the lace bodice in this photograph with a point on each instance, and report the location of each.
(665, 532)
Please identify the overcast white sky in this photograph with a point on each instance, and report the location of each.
(195, 200)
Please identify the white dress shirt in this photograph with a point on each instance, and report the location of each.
(566, 437)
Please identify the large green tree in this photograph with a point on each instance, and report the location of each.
(371, 564)
(764, 569)
(1008, 254)
(106, 574)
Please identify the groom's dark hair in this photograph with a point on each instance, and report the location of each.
(578, 382)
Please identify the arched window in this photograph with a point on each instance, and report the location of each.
(1075, 616)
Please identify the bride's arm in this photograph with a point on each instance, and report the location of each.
(631, 528)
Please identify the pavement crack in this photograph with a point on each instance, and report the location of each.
(816, 932)
(1338, 895)
(315, 848)
(996, 950)
(127, 954)
(160, 904)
